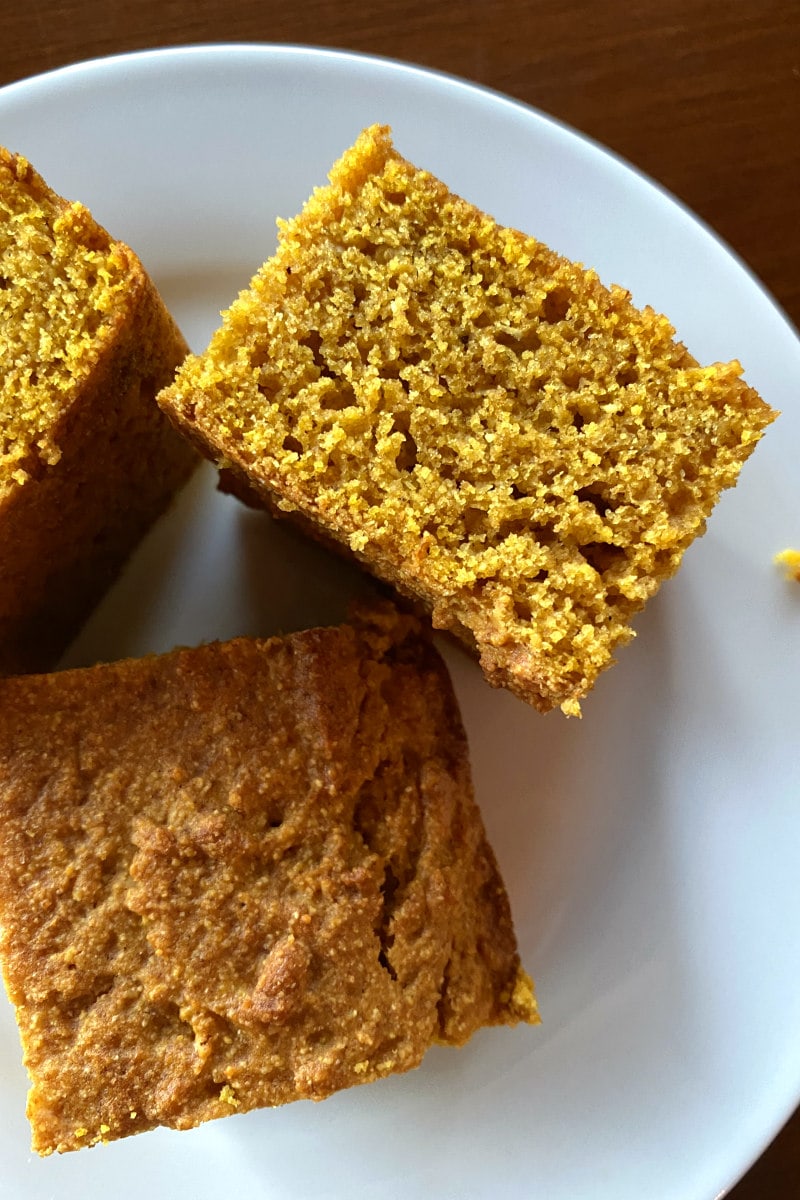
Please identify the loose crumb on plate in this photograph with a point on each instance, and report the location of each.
(790, 560)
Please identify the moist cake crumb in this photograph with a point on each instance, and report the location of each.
(87, 460)
(479, 421)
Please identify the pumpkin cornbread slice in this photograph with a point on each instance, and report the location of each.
(87, 459)
(478, 420)
(240, 875)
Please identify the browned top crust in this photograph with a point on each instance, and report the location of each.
(240, 875)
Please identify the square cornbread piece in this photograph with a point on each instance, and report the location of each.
(240, 875)
(478, 420)
(87, 460)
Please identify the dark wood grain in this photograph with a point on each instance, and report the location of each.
(702, 95)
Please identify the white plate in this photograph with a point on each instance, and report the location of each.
(651, 850)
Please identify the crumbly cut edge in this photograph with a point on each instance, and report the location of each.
(33, 640)
(540, 686)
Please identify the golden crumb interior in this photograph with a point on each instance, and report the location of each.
(60, 280)
(477, 418)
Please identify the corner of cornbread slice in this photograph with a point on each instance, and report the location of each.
(479, 421)
(240, 875)
(87, 459)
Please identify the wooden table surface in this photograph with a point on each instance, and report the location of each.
(703, 95)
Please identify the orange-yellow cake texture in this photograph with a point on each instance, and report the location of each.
(240, 875)
(479, 421)
(790, 561)
(87, 460)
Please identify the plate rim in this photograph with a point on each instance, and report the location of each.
(187, 50)
(94, 67)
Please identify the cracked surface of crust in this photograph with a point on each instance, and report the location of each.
(240, 875)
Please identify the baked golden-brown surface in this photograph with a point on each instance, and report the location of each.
(240, 875)
(478, 420)
(87, 460)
